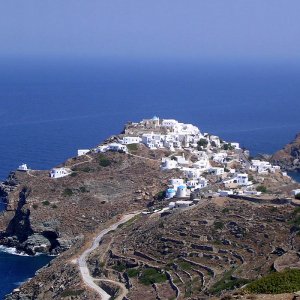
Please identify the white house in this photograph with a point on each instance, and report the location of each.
(220, 157)
(59, 172)
(168, 164)
(196, 183)
(102, 149)
(235, 145)
(242, 179)
(202, 164)
(296, 192)
(192, 173)
(117, 147)
(181, 160)
(81, 152)
(216, 171)
(259, 166)
(23, 167)
(176, 182)
(127, 140)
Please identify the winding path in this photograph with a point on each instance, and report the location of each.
(85, 273)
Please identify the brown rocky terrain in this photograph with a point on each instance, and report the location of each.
(199, 249)
(189, 251)
(288, 157)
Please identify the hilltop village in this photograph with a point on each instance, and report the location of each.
(171, 213)
(207, 164)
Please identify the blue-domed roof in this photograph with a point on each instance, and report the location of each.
(155, 118)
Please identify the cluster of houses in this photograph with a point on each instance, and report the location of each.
(213, 159)
(164, 133)
(263, 167)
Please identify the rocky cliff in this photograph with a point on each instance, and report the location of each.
(50, 215)
(289, 157)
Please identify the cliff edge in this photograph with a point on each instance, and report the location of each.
(288, 158)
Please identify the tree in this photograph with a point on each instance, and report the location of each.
(202, 143)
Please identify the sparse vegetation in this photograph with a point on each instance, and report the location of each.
(160, 195)
(132, 147)
(185, 265)
(261, 188)
(104, 161)
(133, 272)
(35, 206)
(73, 174)
(228, 283)
(120, 267)
(287, 281)
(83, 189)
(218, 225)
(151, 275)
(71, 293)
(46, 203)
(67, 192)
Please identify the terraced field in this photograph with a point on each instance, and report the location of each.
(198, 253)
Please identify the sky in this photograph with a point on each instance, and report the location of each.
(194, 30)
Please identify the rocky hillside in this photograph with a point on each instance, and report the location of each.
(50, 215)
(289, 157)
(199, 253)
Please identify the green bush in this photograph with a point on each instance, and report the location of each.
(46, 202)
(132, 147)
(228, 147)
(103, 161)
(202, 144)
(160, 195)
(86, 169)
(119, 267)
(67, 192)
(228, 283)
(35, 206)
(261, 188)
(218, 225)
(133, 272)
(83, 189)
(150, 276)
(184, 265)
(73, 174)
(297, 196)
(287, 281)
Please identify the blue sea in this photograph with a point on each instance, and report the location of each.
(49, 109)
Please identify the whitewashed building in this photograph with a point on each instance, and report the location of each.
(81, 152)
(23, 168)
(217, 171)
(127, 140)
(220, 157)
(117, 147)
(176, 182)
(60, 172)
(168, 164)
(242, 179)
